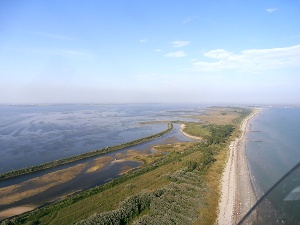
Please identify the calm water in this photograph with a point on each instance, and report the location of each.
(83, 179)
(274, 146)
(31, 135)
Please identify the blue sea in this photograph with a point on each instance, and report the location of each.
(273, 145)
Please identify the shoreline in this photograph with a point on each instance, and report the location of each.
(182, 126)
(237, 192)
(16, 211)
(93, 167)
(102, 151)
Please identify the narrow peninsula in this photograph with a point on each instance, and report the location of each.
(177, 181)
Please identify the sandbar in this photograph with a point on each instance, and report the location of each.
(15, 211)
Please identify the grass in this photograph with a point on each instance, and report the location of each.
(171, 176)
(196, 129)
(220, 115)
(110, 199)
(209, 212)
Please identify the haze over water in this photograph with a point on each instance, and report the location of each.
(273, 146)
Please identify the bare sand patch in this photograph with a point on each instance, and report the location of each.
(99, 163)
(130, 155)
(118, 161)
(15, 211)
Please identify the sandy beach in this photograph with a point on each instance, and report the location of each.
(237, 193)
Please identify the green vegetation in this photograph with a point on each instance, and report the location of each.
(218, 133)
(222, 115)
(212, 133)
(243, 114)
(196, 129)
(181, 187)
(111, 187)
(48, 165)
(175, 203)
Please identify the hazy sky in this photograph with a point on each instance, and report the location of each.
(200, 51)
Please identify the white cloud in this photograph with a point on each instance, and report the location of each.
(270, 10)
(254, 60)
(158, 50)
(179, 44)
(218, 54)
(143, 40)
(176, 54)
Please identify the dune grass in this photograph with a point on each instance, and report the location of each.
(195, 166)
(110, 199)
(196, 129)
(221, 115)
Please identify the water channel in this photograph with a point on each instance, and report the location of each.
(50, 185)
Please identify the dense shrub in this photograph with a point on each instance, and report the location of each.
(128, 209)
(192, 165)
(218, 133)
(176, 203)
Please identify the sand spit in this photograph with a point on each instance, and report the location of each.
(182, 126)
(15, 211)
(237, 194)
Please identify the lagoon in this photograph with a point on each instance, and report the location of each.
(35, 134)
(49, 185)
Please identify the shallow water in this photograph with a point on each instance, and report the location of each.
(84, 180)
(31, 135)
